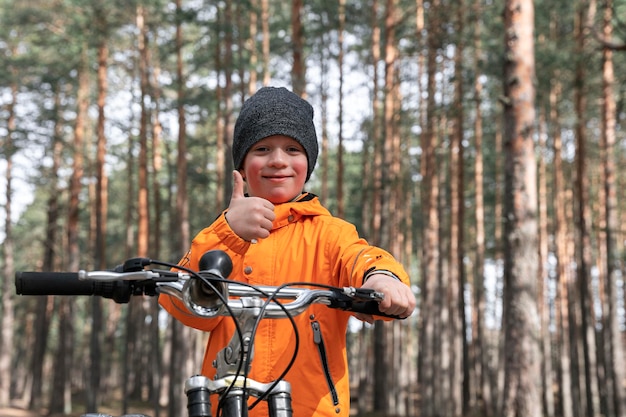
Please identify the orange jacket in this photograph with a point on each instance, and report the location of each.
(306, 244)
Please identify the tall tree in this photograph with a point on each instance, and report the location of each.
(375, 225)
(265, 44)
(428, 351)
(298, 67)
(543, 276)
(60, 400)
(521, 325)
(612, 335)
(340, 116)
(563, 319)
(156, 369)
(101, 205)
(134, 369)
(143, 206)
(6, 334)
(50, 257)
(459, 377)
(478, 348)
(584, 15)
(179, 336)
(384, 340)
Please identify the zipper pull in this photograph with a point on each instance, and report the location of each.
(317, 334)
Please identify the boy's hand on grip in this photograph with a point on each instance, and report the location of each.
(398, 299)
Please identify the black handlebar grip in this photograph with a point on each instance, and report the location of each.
(51, 283)
(67, 283)
(369, 307)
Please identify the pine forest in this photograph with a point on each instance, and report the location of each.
(478, 141)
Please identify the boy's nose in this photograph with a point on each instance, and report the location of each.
(277, 157)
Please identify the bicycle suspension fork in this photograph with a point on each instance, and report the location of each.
(236, 392)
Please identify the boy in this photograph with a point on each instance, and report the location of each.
(279, 233)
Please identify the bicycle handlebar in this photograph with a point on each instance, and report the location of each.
(206, 294)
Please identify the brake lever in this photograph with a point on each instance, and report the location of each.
(364, 294)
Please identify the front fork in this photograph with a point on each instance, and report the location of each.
(235, 402)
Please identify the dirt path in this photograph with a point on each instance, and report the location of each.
(17, 412)
(20, 412)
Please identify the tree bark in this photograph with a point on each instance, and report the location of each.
(8, 269)
(521, 322)
(564, 273)
(375, 222)
(459, 376)
(340, 146)
(429, 360)
(265, 47)
(298, 69)
(614, 359)
(587, 339)
(60, 400)
(50, 262)
(143, 212)
(543, 277)
(101, 204)
(383, 347)
(179, 336)
(478, 348)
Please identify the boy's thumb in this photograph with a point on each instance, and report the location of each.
(237, 185)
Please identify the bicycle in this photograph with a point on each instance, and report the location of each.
(209, 293)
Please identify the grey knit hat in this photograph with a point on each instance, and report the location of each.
(275, 111)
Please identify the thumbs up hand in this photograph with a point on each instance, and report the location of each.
(249, 217)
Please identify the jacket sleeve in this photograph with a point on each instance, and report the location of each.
(218, 235)
(354, 258)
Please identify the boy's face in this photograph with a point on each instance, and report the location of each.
(275, 169)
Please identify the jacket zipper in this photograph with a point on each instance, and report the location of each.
(321, 348)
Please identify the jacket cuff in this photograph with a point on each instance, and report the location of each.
(373, 271)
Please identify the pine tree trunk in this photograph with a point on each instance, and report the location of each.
(612, 336)
(298, 69)
(265, 29)
(375, 221)
(6, 335)
(386, 382)
(478, 356)
(522, 395)
(429, 352)
(179, 335)
(156, 369)
(60, 400)
(340, 146)
(44, 308)
(101, 204)
(252, 46)
(587, 339)
(459, 378)
(143, 212)
(564, 274)
(543, 278)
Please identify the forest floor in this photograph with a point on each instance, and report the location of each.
(19, 411)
